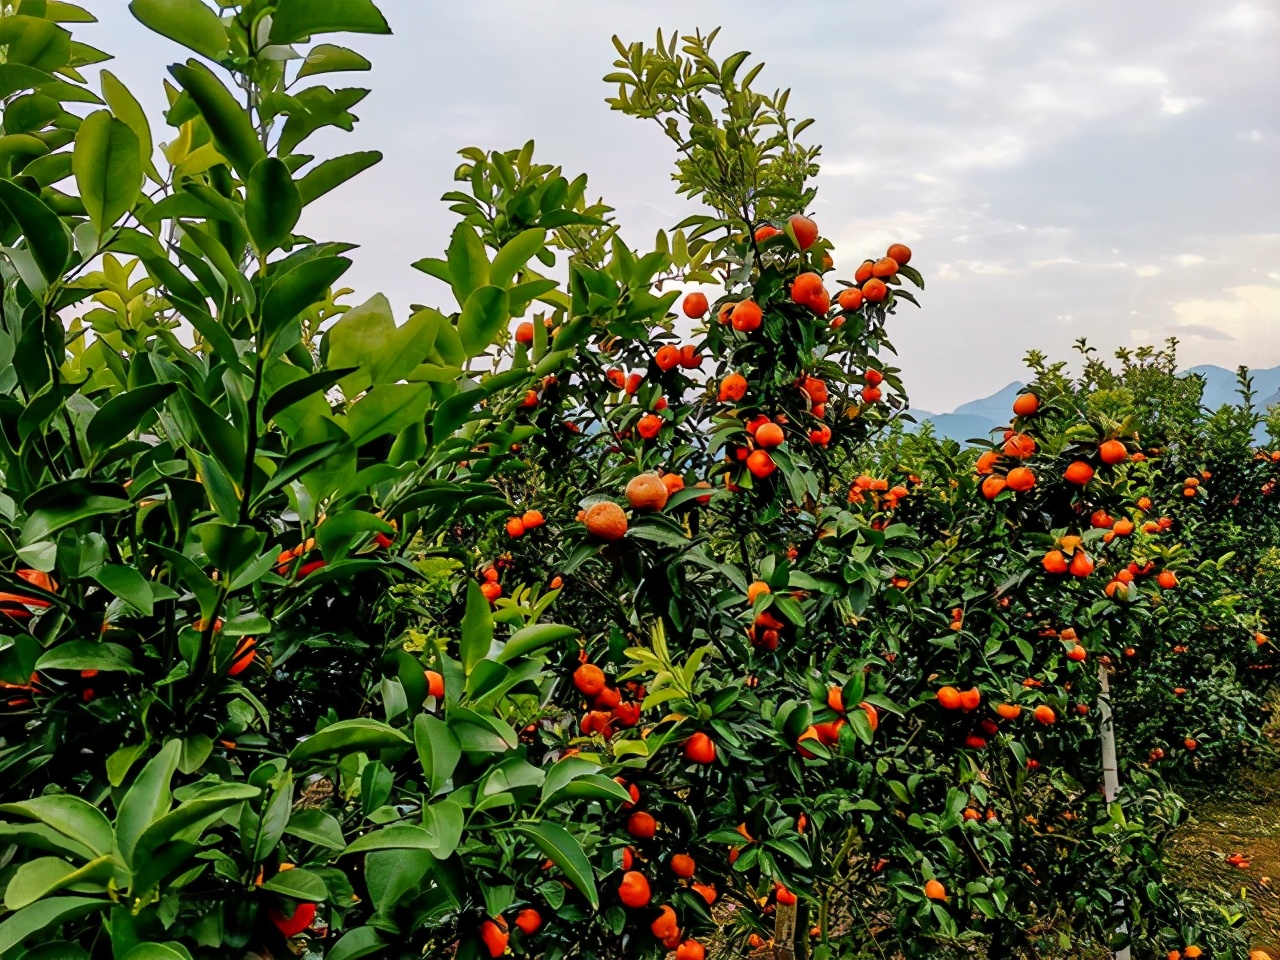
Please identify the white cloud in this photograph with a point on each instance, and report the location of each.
(1174, 106)
(1144, 76)
(1148, 270)
(1249, 314)
(1188, 259)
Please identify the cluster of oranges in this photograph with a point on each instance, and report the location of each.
(495, 932)
(608, 709)
(879, 492)
(766, 629)
(529, 520)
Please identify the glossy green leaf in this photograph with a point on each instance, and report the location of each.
(35, 42)
(69, 815)
(531, 639)
(189, 22)
(298, 390)
(272, 205)
(331, 58)
(438, 751)
(301, 19)
(193, 815)
(477, 628)
(333, 173)
(158, 951)
(298, 289)
(127, 584)
(298, 883)
(515, 253)
(87, 655)
(387, 409)
(44, 914)
(107, 163)
(563, 849)
(232, 129)
(360, 942)
(316, 826)
(124, 413)
(45, 236)
(345, 736)
(147, 799)
(484, 315)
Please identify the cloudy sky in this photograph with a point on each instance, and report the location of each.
(1062, 169)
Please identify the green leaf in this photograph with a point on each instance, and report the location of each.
(595, 786)
(46, 238)
(330, 58)
(297, 463)
(298, 289)
(515, 253)
(563, 849)
(147, 799)
(71, 816)
(272, 205)
(190, 22)
(483, 315)
(468, 262)
(193, 815)
(34, 879)
(333, 173)
(533, 638)
(398, 836)
(87, 655)
(387, 409)
(301, 19)
(360, 942)
(316, 826)
(232, 130)
(158, 951)
(345, 736)
(477, 628)
(274, 820)
(298, 390)
(218, 485)
(35, 42)
(127, 584)
(299, 883)
(438, 751)
(124, 413)
(44, 914)
(107, 163)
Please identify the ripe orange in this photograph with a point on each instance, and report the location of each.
(524, 332)
(935, 891)
(756, 589)
(665, 924)
(807, 289)
(835, 699)
(1044, 714)
(1167, 580)
(804, 230)
(1081, 565)
(515, 528)
(649, 426)
(1190, 744)
(494, 934)
(1123, 527)
(435, 684)
(1026, 405)
(646, 491)
(746, 316)
(725, 312)
(863, 273)
(1020, 479)
(606, 520)
(1144, 503)
(820, 436)
(641, 825)
(1077, 653)
(871, 394)
(1101, 520)
(691, 950)
(490, 590)
(700, 749)
(874, 290)
(949, 698)
(689, 357)
(765, 231)
(769, 435)
(667, 357)
(884, 267)
(242, 658)
(683, 866)
(733, 388)
(993, 486)
(532, 519)
(634, 889)
(1020, 446)
(695, 306)
(673, 482)
(1010, 711)
(873, 717)
(970, 699)
(703, 485)
(987, 462)
(760, 464)
(850, 299)
(1191, 952)
(1112, 452)
(899, 252)
(783, 895)
(589, 679)
(810, 734)
(529, 920)
(1079, 473)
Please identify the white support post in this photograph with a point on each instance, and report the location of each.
(1110, 772)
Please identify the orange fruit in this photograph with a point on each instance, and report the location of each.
(695, 305)
(884, 267)
(700, 749)
(703, 485)
(641, 825)
(873, 717)
(804, 230)
(1020, 479)
(689, 357)
(1010, 711)
(760, 464)
(673, 482)
(769, 435)
(835, 699)
(746, 316)
(606, 520)
(1020, 446)
(726, 311)
(807, 289)
(666, 924)
(1079, 473)
(646, 491)
(667, 357)
(1081, 565)
(1191, 952)
(765, 231)
(1077, 653)
(683, 866)
(707, 891)
(634, 889)
(494, 934)
(993, 486)
(649, 426)
(783, 895)
(529, 920)
(1044, 714)
(1112, 452)
(810, 734)
(524, 332)
(949, 698)
(871, 394)
(242, 657)
(515, 528)
(1122, 527)
(532, 519)
(935, 891)
(1026, 405)
(490, 590)
(970, 699)
(589, 679)
(850, 299)
(1167, 580)
(874, 290)
(691, 950)
(756, 589)
(733, 388)
(899, 252)
(987, 462)
(435, 684)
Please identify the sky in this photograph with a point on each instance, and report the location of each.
(1061, 169)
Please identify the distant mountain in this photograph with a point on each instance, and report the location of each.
(978, 418)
